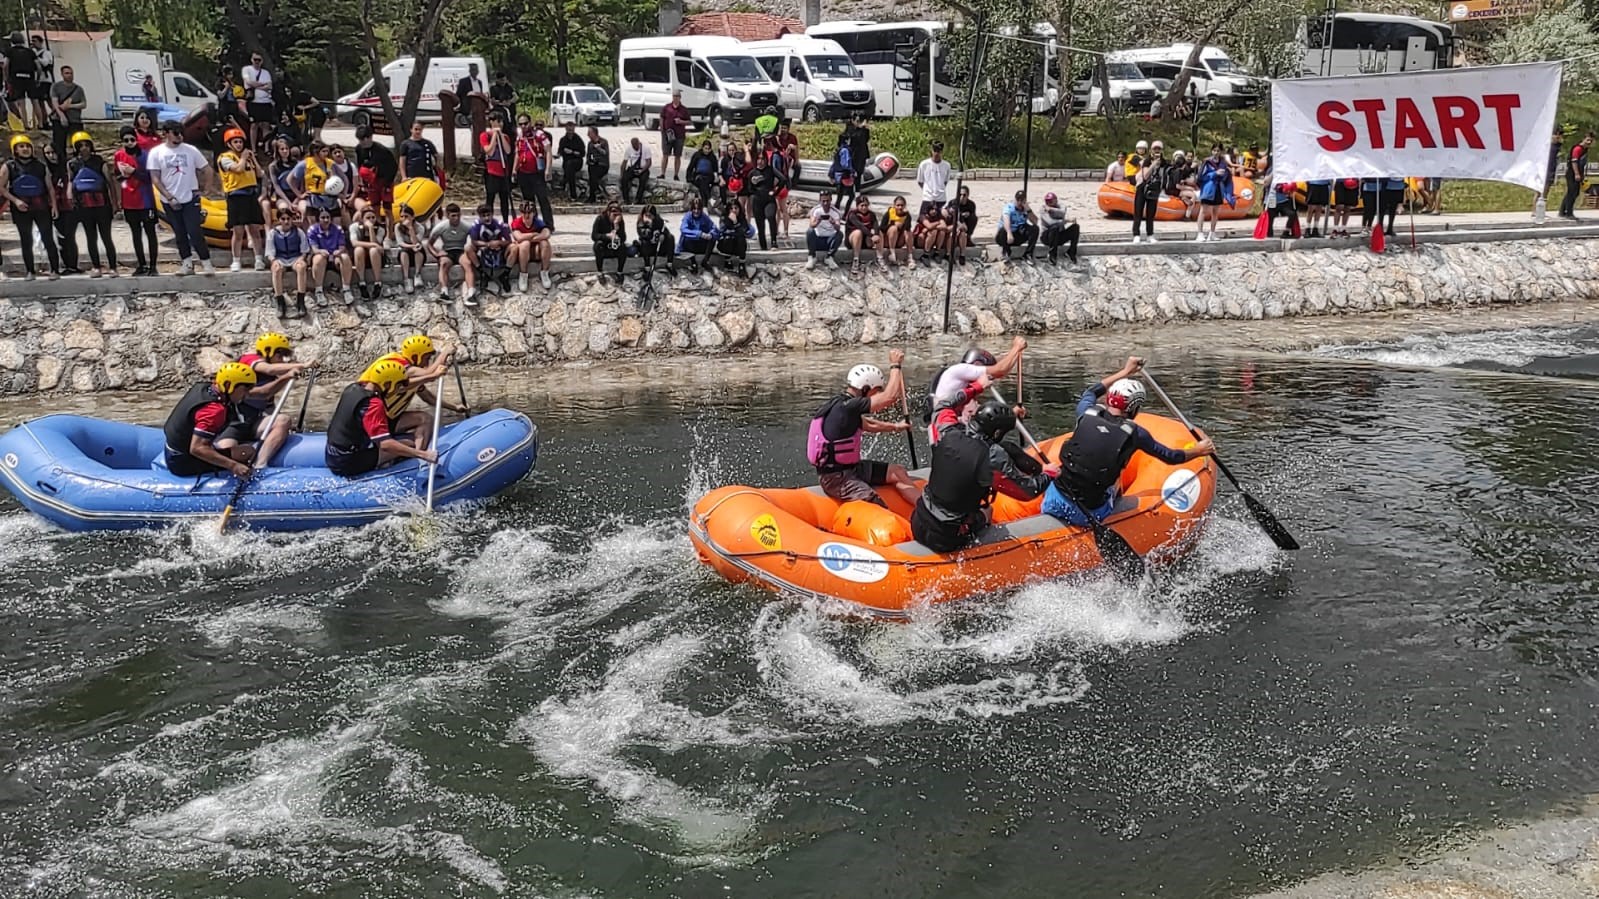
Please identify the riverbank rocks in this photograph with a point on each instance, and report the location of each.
(166, 339)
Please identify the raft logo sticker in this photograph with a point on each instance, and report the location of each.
(764, 530)
(853, 563)
(487, 453)
(11, 460)
(1181, 490)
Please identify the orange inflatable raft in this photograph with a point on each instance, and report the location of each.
(1116, 198)
(802, 542)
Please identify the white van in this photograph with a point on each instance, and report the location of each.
(719, 79)
(1216, 80)
(1130, 91)
(814, 77)
(584, 104)
(443, 73)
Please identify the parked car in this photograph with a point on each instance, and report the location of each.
(585, 104)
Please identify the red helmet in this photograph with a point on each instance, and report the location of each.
(735, 184)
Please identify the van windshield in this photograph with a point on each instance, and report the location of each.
(832, 67)
(737, 69)
(1123, 71)
(589, 95)
(1222, 66)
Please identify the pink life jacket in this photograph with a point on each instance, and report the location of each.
(831, 455)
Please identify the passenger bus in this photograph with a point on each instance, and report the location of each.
(1367, 43)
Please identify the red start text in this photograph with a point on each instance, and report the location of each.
(1450, 122)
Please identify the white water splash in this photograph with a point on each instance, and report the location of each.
(1512, 348)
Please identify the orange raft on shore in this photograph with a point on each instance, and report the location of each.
(800, 541)
(1116, 198)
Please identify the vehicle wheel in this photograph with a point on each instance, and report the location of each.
(713, 116)
(812, 113)
(462, 120)
(1101, 108)
(361, 118)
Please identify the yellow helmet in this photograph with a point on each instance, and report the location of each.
(415, 347)
(81, 137)
(272, 343)
(234, 374)
(385, 373)
(19, 139)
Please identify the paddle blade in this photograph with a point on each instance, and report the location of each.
(1269, 523)
(1118, 556)
(222, 524)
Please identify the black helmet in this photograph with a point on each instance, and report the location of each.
(994, 419)
(771, 110)
(976, 356)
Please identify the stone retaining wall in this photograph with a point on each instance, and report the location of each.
(165, 338)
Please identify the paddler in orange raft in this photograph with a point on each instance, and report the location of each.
(971, 463)
(834, 443)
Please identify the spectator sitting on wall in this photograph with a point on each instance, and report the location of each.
(733, 239)
(824, 234)
(1059, 229)
(1018, 225)
(696, 236)
(962, 217)
(653, 240)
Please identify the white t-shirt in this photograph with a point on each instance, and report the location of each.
(177, 169)
(955, 380)
(1116, 171)
(263, 94)
(934, 178)
(825, 222)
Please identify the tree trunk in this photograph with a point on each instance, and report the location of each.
(250, 25)
(1179, 85)
(380, 83)
(1063, 111)
(562, 38)
(422, 52)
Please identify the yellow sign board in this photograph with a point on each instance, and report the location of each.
(1478, 10)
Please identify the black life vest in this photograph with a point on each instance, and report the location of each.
(179, 429)
(930, 399)
(962, 480)
(345, 430)
(1093, 458)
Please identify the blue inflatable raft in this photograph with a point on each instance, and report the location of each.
(87, 474)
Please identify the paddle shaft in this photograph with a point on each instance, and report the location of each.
(433, 467)
(466, 407)
(910, 438)
(305, 401)
(244, 482)
(1020, 428)
(1186, 423)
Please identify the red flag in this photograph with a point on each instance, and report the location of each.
(1263, 226)
(1378, 243)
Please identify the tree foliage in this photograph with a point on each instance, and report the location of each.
(1551, 34)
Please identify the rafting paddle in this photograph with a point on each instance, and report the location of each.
(433, 467)
(238, 492)
(466, 407)
(1119, 556)
(910, 439)
(1267, 521)
(305, 400)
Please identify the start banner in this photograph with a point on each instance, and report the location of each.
(1491, 123)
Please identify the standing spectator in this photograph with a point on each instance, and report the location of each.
(1116, 171)
(67, 101)
(1283, 204)
(309, 181)
(241, 190)
(733, 240)
(329, 247)
(1370, 204)
(1059, 229)
(25, 184)
(340, 166)
(861, 231)
(765, 189)
(824, 234)
(533, 168)
(258, 102)
(1149, 185)
(572, 154)
(491, 243)
(961, 214)
(289, 249)
(408, 245)
(530, 243)
(152, 94)
(177, 171)
(1576, 170)
(66, 221)
(636, 170)
(932, 175)
(896, 227)
(419, 158)
(1215, 181)
(471, 89)
(22, 71)
(503, 97)
(378, 170)
(788, 154)
(1317, 196)
(599, 163)
(144, 128)
(1135, 162)
(44, 79)
(860, 153)
(674, 131)
(138, 200)
(1346, 196)
(91, 193)
(1180, 183)
(652, 240)
(702, 171)
(367, 238)
(1393, 194)
(696, 234)
(932, 233)
(230, 101)
(841, 174)
(1433, 194)
(497, 165)
(609, 234)
(450, 245)
(309, 113)
(544, 160)
(1018, 225)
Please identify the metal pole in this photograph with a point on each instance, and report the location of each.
(1032, 89)
(978, 45)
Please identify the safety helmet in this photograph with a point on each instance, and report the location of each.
(19, 139)
(271, 343)
(81, 137)
(385, 373)
(234, 374)
(994, 419)
(231, 133)
(1126, 395)
(415, 347)
(867, 377)
(976, 356)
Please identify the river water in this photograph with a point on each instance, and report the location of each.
(551, 697)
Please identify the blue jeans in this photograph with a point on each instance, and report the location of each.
(815, 243)
(1058, 506)
(184, 220)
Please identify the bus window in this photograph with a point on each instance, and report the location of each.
(773, 65)
(649, 69)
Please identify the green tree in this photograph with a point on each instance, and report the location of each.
(1552, 34)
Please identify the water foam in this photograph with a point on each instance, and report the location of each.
(1513, 348)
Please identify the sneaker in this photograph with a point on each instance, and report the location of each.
(186, 268)
(911, 263)
(321, 298)
(832, 263)
(468, 296)
(97, 273)
(55, 276)
(694, 266)
(544, 279)
(234, 266)
(444, 294)
(409, 285)
(810, 263)
(260, 264)
(417, 282)
(111, 272)
(377, 291)
(521, 283)
(208, 267)
(28, 277)
(617, 277)
(882, 263)
(855, 267)
(960, 259)
(349, 298)
(366, 292)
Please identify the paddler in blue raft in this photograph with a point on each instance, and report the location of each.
(274, 368)
(423, 365)
(207, 433)
(362, 437)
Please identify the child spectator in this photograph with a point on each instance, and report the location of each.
(696, 235)
(861, 232)
(530, 243)
(408, 245)
(490, 240)
(366, 246)
(733, 241)
(328, 247)
(610, 239)
(288, 249)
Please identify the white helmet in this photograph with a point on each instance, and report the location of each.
(1126, 395)
(334, 186)
(867, 377)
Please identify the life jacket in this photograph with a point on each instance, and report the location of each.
(88, 176)
(289, 244)
(962, 479)
(1093, 459)
(179, 427)
(315, 176)
(400, 400)
(832, 454)
(345, 430)
(29, 180)
(239, 178)
(262, 404)
(526, 159)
